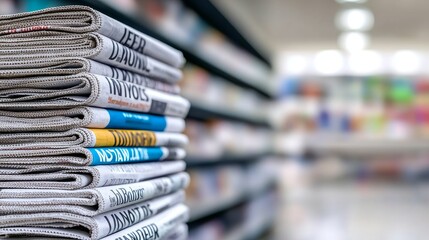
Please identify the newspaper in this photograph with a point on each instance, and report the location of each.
(91, 117)
(88, 202)
(156, 227)
(56, 176)
(74, 65)
(153, 228)
(93, 46)
(87, 89)
(84, 137)
(81, 19)
(78, 156)
(100, 225)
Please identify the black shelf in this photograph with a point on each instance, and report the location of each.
(196, 162)
(258, 233)
(203, 113)
(194, 58)
(221, 206)
(211, 14)
(189, 53)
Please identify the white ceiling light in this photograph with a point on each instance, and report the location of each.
(365, 62)
(296, 64)
(406, 62)
(351, 1)
(329, 62)
(353, 41)
(355, 19)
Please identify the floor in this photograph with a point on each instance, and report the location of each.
(350, 210)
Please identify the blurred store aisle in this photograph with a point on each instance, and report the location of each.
(349, 210)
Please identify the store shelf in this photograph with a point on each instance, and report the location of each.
(195, 161)
(211, 14)
(252, 232)
(204, 112)
(261, 228)
(198, 59)
(190, 53)
(365, 146)
(208, 210)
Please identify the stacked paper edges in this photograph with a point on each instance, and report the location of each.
(88, 108)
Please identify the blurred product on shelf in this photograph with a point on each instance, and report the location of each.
(177, 22)
(371, 107)
(202, 87)
(215, 188)
(398, 168)
(222, 138)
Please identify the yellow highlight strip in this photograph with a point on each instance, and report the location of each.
(123, 138)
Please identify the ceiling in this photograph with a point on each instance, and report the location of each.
(303, 25)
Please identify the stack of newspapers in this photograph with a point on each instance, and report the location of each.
(88, 108)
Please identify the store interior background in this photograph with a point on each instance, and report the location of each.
(310, 118)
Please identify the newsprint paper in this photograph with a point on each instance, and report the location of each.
(82, 19)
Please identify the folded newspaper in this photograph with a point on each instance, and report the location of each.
(156, 227)
(94, 46)
(100, 225)
(84, 137)
(88, 202)
(90, 117)
(78, 156)
(87, 89)
(54, 176)
(74, 65)
(82, 19)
